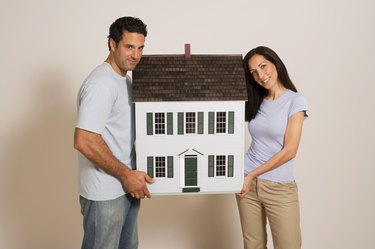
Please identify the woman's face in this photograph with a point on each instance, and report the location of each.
(263, 71)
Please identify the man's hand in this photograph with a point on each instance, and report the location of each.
(134, 182)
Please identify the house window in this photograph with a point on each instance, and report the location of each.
(220, 166)
(160, 166)
(190, 123)
(221, 122)
(159, 123)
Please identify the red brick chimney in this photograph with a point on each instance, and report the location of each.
(187, 51)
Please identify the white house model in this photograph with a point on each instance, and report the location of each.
(190, 113)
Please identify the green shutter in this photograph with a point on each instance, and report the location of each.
(230, 122)
(230, 166)
(170, 166)
(150, 166)
(211, 165)
(211, 123)
(180, 128)
(200, 122)
(169, 123)
(150, 127)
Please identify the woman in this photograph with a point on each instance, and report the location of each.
(275, 112)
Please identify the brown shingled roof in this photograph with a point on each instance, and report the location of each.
(200, 78)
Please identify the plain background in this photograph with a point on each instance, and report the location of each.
(48, 47)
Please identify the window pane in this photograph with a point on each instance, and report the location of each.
(159, 166)
(159, 123)
(221, 122)
(220, 166)
(190, 123)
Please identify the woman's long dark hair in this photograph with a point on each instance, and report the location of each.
(255, 92)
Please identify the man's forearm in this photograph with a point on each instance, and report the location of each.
(95, 149)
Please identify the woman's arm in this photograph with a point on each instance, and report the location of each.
(291, 142)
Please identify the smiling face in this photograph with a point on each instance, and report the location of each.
(263, 71)
(126, 54)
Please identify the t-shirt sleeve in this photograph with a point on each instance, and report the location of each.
(299, 104)
(94, 107)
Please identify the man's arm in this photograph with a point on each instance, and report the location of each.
(94, 148)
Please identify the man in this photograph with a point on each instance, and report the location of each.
(110, 187)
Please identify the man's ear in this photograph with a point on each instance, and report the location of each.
(112, 44)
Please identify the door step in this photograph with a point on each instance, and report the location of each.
(189, 190)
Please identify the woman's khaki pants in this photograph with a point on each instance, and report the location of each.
(277, 203)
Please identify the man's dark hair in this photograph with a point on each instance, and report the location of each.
(126, 23)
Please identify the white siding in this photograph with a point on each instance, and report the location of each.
(206, 144)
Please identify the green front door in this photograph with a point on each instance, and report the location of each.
(191, 171)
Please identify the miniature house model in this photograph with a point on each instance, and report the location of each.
(190, 122)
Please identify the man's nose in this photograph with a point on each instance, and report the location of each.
(137, 54)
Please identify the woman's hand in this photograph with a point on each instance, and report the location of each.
(246, 186)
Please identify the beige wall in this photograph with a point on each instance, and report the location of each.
(47, 48)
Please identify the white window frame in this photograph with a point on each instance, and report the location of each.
(217, 122)
(160, 165)
(225, 166)
(195, 123)
(156, 130)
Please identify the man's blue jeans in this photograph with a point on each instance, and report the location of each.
(110, 224)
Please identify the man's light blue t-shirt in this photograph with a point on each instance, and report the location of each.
(105, 107)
